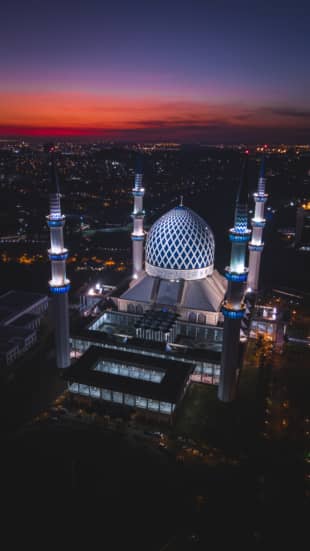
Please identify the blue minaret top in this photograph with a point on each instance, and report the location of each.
(241, 211)
(240, 234)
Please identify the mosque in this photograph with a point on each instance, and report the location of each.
(177, 321)
(179, 272)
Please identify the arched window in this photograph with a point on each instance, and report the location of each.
(192, 317)
(130, 308)
(201, 318)
(139, 309)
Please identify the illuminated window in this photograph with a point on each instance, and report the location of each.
(117, 397)
(153, 405)
(207, 370)
(123, 371)
(106, 394)
(94, 391)
(129, 400)
(141, 402)
(165, 407)
(130, 371)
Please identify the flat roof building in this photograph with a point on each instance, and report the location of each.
(127, 378)
(15, 304)
(20, 317)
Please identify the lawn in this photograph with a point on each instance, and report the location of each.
(232, 426)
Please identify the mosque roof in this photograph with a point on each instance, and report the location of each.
(180, 244)
(205, 294)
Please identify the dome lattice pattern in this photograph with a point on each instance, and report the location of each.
(180, 240)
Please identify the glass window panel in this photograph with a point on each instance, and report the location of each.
(117, 397)
(84, 389)
(94, 391)
(106, 394)
(145, 374)
(153, 405)
(156, 377)
(165, 407)
(123, 370)
(141, 402)
(129, 400)
(130, 371)
(201, 333)
(113, 368)
(208, 370)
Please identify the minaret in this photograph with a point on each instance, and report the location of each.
(233, 308)
(59, 284)
(256, 244)
(137, 235)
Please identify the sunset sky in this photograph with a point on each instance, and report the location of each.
(217, 71)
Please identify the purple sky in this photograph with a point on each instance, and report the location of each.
(214, 71)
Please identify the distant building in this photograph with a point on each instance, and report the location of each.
(264, 322)
(91, 295)
(302, 237)
(22, 308)
(20, 317)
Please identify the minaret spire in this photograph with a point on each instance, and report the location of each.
(256, 244)
(233, 307)
(137, 235)
(59, 284)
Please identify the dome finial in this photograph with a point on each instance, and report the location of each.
(181, 201)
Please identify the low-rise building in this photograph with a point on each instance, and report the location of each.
(125, 378)
(20, 318)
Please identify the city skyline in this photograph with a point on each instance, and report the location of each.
(165, 72)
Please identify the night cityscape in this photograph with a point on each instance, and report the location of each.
(154, 275)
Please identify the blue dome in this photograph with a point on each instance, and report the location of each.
(180, 245)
